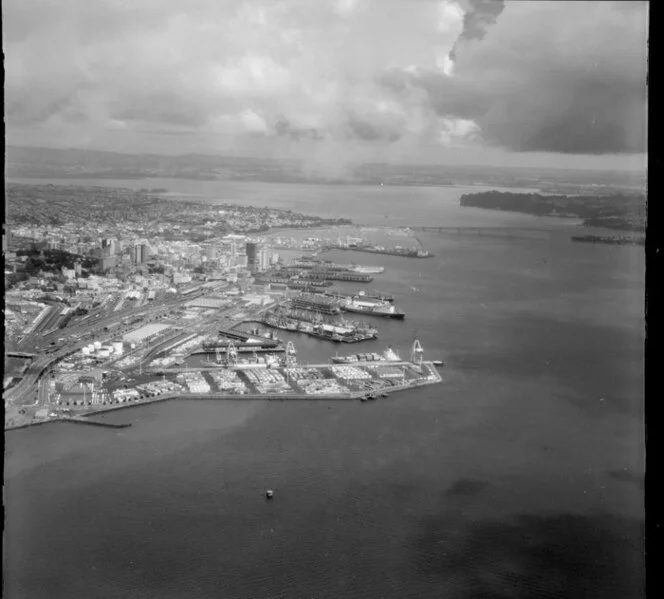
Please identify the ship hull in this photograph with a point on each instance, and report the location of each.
(394, 315)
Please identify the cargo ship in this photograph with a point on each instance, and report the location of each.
(340, 333)
(372, 295)
(389, 355)
(363, 305)
(368, 270)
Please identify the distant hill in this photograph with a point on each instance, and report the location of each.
(626, 212)
(36, 162)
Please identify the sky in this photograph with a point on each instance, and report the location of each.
(333, 82)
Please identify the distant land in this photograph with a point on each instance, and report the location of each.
(620, 211)
(45, 163)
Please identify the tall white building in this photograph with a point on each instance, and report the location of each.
(263, 259)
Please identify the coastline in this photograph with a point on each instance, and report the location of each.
(351, 396)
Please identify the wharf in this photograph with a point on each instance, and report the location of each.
(73, 419)
(85, 420)
(430, 376)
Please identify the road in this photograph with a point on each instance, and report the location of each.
(25, 392)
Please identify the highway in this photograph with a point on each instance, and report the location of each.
(24, 391)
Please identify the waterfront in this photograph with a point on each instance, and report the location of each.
(519, 476)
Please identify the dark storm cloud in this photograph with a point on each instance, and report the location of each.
(349, 74)
(574, 81)
(480, 15)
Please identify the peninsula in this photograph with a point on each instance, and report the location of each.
(623, 211)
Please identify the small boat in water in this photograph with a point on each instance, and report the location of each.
(269, 494)
(438, 362)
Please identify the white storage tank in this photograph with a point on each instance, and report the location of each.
(85, 351)
(118, 347)
(97, 345)
(91, 347)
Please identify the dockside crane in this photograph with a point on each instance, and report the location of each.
(417, 353)
(231, 354)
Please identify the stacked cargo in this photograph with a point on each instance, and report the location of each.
(124, 395)
(322, 387)
(159, 387)
(267, 381)
(350, 372)
(194, 381)
(228, 380)
(390, 372)
(307, 374)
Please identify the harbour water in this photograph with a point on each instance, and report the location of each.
(519, 476)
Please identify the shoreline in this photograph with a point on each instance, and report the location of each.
(351, 396)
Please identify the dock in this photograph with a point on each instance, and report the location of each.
(86, 420)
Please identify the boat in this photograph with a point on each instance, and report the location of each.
(384, 394)
(389, 355)
(438, 362)
(361, 305)
(368, 270)
(376, 295)
(269, 494)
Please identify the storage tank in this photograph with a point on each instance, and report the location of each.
(91, 347)
(85, 351)
(118, 347)
(97, 345)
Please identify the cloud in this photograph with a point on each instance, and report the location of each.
(566, 77)
(355, 77)
(479, 16)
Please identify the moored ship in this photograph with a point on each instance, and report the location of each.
(362, 305)
(388, 355)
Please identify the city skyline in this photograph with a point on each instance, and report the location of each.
(336, 83)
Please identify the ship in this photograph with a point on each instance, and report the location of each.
(372, 295)
(376, 295)
(362, 305)
(388, 355)
(340, 333)
(367, 270)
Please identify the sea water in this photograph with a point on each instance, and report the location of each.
(519, 476)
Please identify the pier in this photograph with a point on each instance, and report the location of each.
(86, 420)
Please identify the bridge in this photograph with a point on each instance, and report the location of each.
(488, 231)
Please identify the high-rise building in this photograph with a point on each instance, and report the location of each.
(140, 253)
(212, 252)
(263, 259)
(108, 247)
(252, 256)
